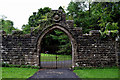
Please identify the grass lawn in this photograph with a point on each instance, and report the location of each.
(98, 73)
(0, 72)
(13, 72)
(52, 57)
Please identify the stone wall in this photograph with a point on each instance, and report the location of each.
(94, 52)
(91, 50)
(18, 49)
(88, 50)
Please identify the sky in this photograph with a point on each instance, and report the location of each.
(19, 11)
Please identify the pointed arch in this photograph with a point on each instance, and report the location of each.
(51, 28)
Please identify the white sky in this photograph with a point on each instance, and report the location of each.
(19, 11)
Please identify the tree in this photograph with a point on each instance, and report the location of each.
(6, 25)
(108, 18)
(100, 16)
(36, 19)
(59, 41)
(77, 11)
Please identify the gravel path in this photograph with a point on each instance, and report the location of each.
(54, 74)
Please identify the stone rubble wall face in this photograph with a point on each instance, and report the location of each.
(17, 50)
(91, 50)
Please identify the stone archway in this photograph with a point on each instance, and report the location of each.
(88, 50)
(67, 32)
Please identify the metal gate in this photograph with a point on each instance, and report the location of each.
(55, 60)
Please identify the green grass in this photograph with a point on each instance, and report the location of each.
(0, 72)
(98, 73)
(13, 72)
(52, 57)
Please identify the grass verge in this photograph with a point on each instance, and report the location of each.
(98, 73)
(13, 72)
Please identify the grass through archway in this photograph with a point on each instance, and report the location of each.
(52, 57)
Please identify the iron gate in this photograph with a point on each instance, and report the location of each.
(55, 61)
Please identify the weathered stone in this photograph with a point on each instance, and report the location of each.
(88, 50)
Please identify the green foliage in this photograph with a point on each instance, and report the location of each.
(82, 17)
(37, 20)
(7, 26)
(110, 30)
(100, 16)
(26, 28)
(108, 26)
(112, 26)
(59, 40)
(65, 45)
